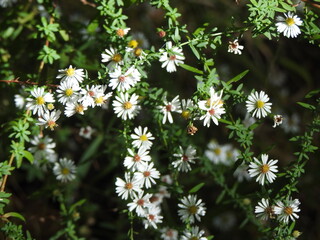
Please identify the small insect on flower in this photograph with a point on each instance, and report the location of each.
(289, 25)
(264, 169)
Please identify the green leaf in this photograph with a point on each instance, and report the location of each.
(195, 51)
(307, 106)
(64, 35)
(14, 214)
(28, 156)
(77, 204)
(238, 77)
(196, 188)
(312, 93)
(191, 69)
(220, 197)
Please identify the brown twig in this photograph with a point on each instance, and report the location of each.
(311, 3)
(16, 80)
(5, 177)
(85, 2)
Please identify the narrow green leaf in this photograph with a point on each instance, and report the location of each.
(77, 204)
(14, 214)
(238, 77)
(195, 51)
(312, 93)
(28, 156)
(307, 106)
(196, 188)
(220, 197)
(191, 69)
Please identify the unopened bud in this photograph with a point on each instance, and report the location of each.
(161, 33)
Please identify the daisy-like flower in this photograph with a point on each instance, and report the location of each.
(72, 75)
(86, 132)
(191, 209)
(113, 57)
(241, 173)
(67, 92)
(146, 175)
(168, 107)
(139, 203)
(38, 103)
(42, 147)
(152, 217)
(287, 210)
(88, 95)
(136, 160)
(258, 103)
(124, 81)
(185, 158)
(235, 47)
(277, 120)
(19, 101)
(289, 25)
(49, 119)
(169, 234)
(186, 105)
(142, 138)
(216, 153)
(126, 107)
(73, 108)
(122, 31)
(193, 234)
(101, 98)
(213, 107)
(64, 170)
(171, 57)
(264, 211)
(126, 188)
(264, 170)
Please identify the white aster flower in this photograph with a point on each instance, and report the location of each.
(126, 188)
(113, 57)
(73, 108)
(49, 119)
(264, 170)
(142, 138)
(287, 210)
(213, 107)
(241, 173)
(101, 98)
(146, 175)
(72, 75)
(193, 233)
(185, 158)
(89, 95)
(139, 203)
(19, 101)
(42, 147)
(289, 25)
(67, 92)
(216, 153)
(169, 234)
(277, 120)
(258, 103)
(7, 3)
(186, 105)
(162, 193)
(86, 132)
(171, 57)
(152, 217)
(37, 104)
(263, 210)
(235, 47)
(167, 179)
(126, 107)
(122, 31)
(136, 160)
(168, 107)
(124, 81)
(191, 209)
(64, 170)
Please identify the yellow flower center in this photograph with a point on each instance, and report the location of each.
(117, 58)
(217, 151)
(120, 32)
(65, 171)
(289, 21)
(40, 101)
(128, 186)
(50, 106)
(193, 209)
(259, 104)
(194, 238)
(79, 109)
(137, 52)
(288, 210)
(133, 44)
(143, 137)
(185, 114)
(41, 146)
(265, 168)
(208, 102)
(52, 124)
(68, 92)
(99, 100)
(70, 72)
(127, 105)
